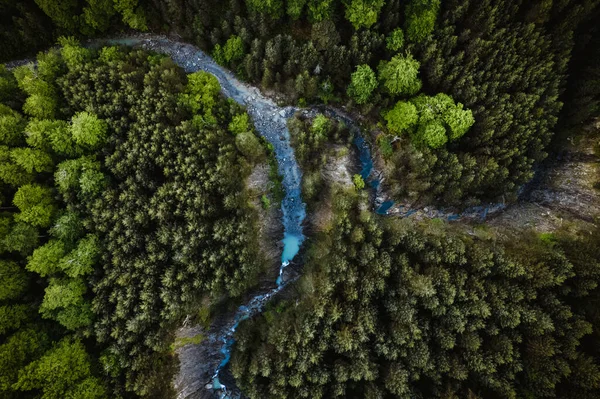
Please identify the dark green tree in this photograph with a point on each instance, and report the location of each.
(421, 16)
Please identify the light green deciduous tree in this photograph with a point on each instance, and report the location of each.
(432, 134)
(13, 280)
(59, 373)
(363, 83)
(36, 204)
(80, 261)
(67, 227)
(400, 75)
(239, 124)
(358, 181)
(11, 173)
(88, 130)
(32, 160)
(402, 117)
(273, 8)
(45, 259)
(320, 10)
(201, 91)
(64, 302)
(16, 351)
(52, 135)
(363, 13)
(294, 8)
(79, 176)
(11, 127)
(232, 51)
(395, 40)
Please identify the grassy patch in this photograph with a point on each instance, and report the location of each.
(547, 238)
(204, 316)
(181, 342)
(266, 202)
(483, 232)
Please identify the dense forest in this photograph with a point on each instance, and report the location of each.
(123, 206)
(125, 209)
(493, 77)
(399, 309)
(470, 92)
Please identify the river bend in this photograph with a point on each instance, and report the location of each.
(270, 121)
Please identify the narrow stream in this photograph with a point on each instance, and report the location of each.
(383, 205)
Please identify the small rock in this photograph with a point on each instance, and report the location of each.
(282, 113)
(209, 386)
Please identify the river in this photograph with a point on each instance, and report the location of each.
(270, 121)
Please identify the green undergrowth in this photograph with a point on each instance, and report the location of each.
(276, 189)
(183, 341)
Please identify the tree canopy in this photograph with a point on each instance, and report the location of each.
(130, 203)
(363, 13)
(402, 117)
(125, 201)
(390, 308)
(362, 85)
(88, 130)
(399, 76)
